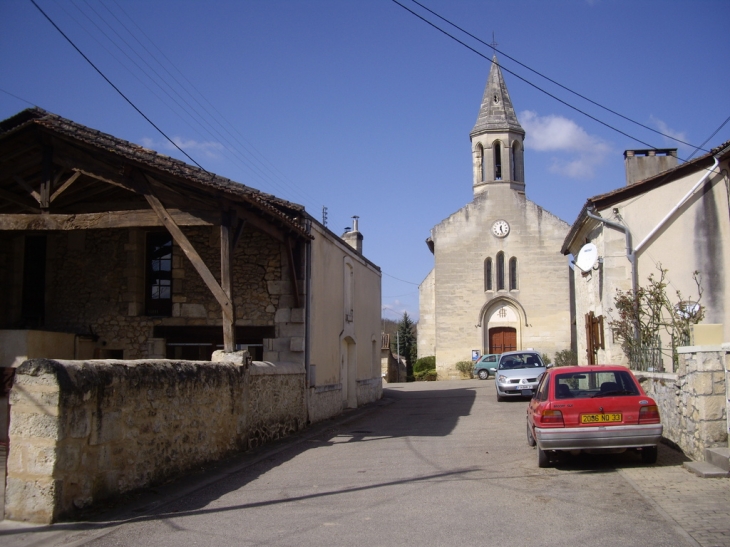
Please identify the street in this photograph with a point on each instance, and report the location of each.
(432, 464)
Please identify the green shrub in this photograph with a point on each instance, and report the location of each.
(546, 359)
(566, 358)
(426, 376)
(424, 363)
(465, 368)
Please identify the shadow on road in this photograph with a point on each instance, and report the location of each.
(413, 412)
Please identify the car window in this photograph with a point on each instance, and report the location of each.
(520, 360)
(490, 358)
(595, 384)
(542, 389)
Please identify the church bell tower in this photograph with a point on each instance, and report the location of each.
(497, 139)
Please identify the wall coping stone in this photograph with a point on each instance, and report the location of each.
(262, 368)
(640, 375)
(704, 349)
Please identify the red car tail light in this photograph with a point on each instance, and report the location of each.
(649, 415)
(552, 417)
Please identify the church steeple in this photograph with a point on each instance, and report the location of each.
(497, 137)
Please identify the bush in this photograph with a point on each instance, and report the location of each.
(546, 359)
(465, 368)
(424, 364)
(566, 358)
(426, 376)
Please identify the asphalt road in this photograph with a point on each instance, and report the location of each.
(433, 464)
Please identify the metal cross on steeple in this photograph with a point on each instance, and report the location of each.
(494, 44)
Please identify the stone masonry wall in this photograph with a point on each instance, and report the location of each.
(84, 431)
(95, 281)
(692, 402)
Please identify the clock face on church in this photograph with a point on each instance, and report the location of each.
(500, 228)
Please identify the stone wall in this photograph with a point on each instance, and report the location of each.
(692, 402)
(95, 285)
(84, 431)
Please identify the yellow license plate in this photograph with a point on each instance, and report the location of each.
(600, 418)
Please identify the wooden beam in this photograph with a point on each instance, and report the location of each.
(46, 178)
(237, 235)
(187, 248)
(27, 187)
(87, 221)
(229, 323)
(65, 185)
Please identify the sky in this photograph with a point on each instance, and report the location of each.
(363, 108)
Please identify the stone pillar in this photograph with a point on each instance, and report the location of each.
(32, 492)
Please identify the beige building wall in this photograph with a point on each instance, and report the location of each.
(427, 320)
(345, 326)
(694, 238)
(538, 309)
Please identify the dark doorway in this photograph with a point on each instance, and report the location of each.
(33, 308)
(502, 339)
(199, 343)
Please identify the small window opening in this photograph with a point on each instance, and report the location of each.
(500, 271)
(513, 274)
(497, 162)
(488, 274)
(159, 275)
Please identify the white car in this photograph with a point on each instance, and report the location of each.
(518, 374)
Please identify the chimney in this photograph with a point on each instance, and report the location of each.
(643, 164)
(354, 238)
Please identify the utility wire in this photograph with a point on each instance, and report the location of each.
(115, 87)
(708, 138)
(525, 80)
(559, 84)
(250, 158)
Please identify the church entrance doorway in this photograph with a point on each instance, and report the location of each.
(502, 339)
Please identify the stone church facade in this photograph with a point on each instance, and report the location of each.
(499, 281)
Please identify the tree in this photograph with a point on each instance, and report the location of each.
(644, 315)
(406, 338)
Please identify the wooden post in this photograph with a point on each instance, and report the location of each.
(47, 179)
(228, 222)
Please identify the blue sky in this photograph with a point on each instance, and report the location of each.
(363, 108)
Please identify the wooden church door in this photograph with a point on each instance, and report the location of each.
(502, 339)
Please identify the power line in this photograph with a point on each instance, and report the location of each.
(525, 80)
(493, 46)
(115, 87)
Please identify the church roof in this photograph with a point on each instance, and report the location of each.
(496, 112)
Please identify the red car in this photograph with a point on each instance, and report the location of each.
(596, 409)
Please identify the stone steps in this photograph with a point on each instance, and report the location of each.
(716, 464)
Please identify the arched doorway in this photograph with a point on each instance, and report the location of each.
(502, 326)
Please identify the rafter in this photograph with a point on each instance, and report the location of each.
(87, 221)
(65, 185)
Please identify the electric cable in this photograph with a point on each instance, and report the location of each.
(115, 87)
(558, 83)
(561, 101)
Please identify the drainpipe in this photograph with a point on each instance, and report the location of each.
(669, 215)
(630, 255)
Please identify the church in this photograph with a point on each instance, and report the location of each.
(499, 282)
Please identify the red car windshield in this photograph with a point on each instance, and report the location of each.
(612, 383)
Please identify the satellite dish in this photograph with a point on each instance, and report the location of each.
(586, 257)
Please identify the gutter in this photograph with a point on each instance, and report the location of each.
(671, 213)
(630, 253)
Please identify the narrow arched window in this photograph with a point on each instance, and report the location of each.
(513, 274)
(497, 161)
(500, 271)
(516, 160)
(483, 169)
(488, 274)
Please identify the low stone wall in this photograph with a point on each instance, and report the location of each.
(84, 431)
(324, 402)
(692, 402)
(369, 390)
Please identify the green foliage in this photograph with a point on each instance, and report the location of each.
(643, 316)
(424, 364)
(546, 359)
(406, 339)
(428, 375)
(566, 358)
(465, 368)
